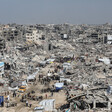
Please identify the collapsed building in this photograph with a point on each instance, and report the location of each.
(77, 58)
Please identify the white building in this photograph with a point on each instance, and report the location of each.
(109, 39)
(34, 36)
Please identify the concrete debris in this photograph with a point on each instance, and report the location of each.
(57, 68)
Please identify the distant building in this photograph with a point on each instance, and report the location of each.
(64, 36)
(10, 33)
(34, 36)
(94, 35)
(108, 39)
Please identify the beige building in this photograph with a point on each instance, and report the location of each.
(34, 36)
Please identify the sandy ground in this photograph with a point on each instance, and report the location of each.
(60, 98)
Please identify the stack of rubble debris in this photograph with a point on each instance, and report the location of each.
(72, 61)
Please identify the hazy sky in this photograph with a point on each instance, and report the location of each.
(56, 11)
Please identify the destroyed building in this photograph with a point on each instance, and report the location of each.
(68, 66)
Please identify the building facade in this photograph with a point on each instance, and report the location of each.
(34, 36)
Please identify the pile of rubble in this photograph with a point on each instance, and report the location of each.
(73, 61)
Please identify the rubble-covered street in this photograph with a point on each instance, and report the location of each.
(55, 68)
